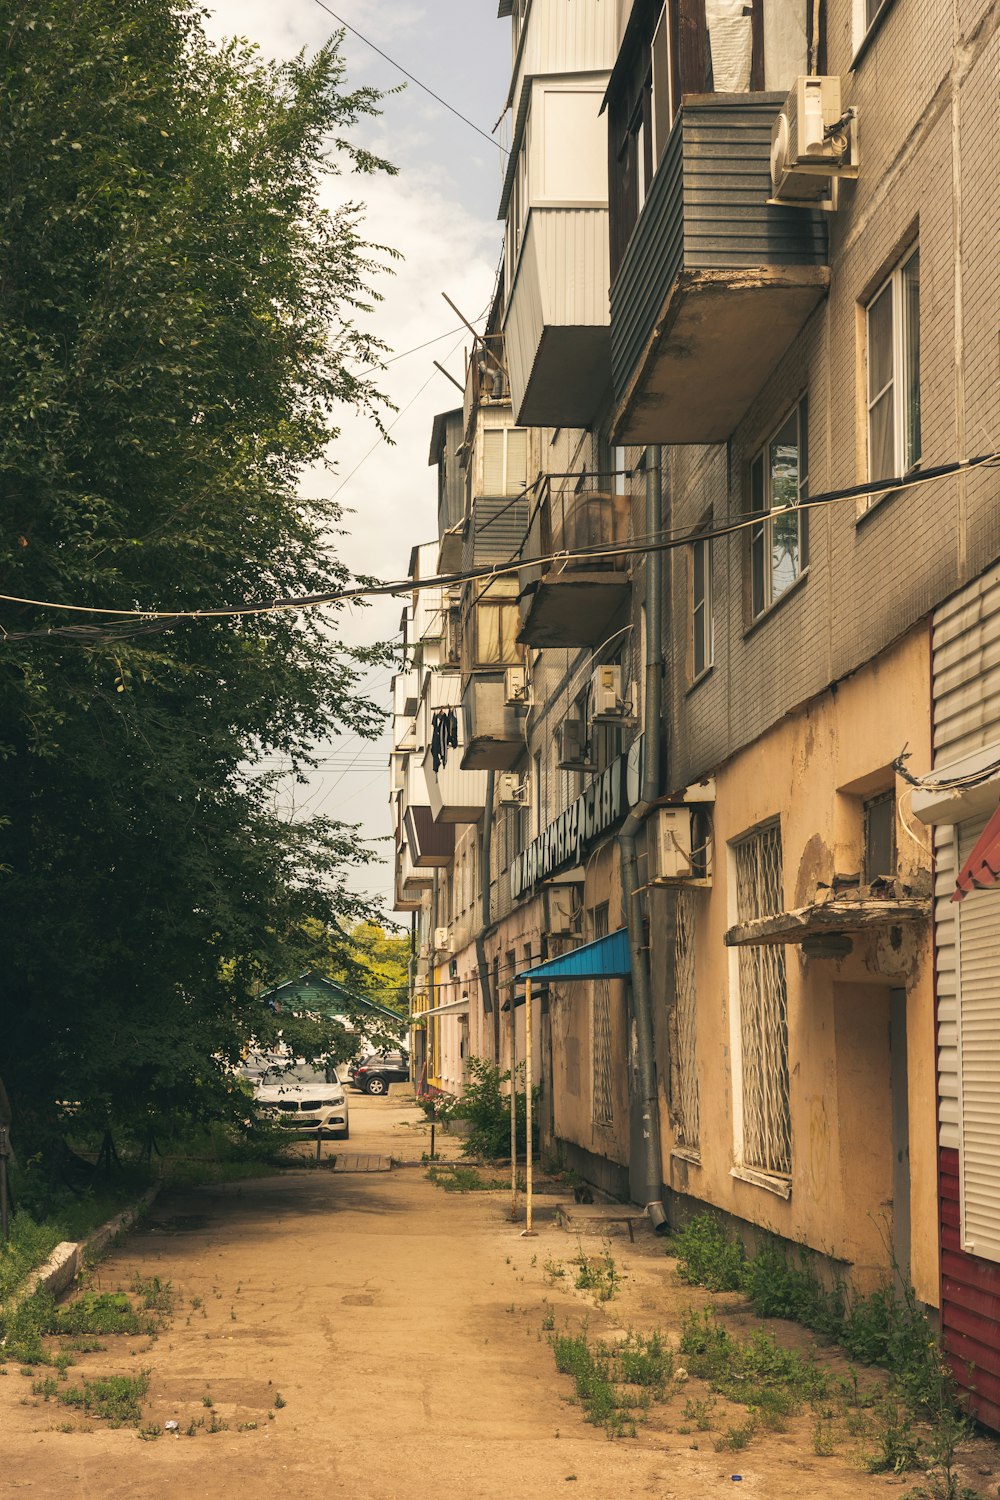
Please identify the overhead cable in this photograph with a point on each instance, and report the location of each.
(412, 77)
(666, 543)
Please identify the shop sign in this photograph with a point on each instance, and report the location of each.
(564, 843)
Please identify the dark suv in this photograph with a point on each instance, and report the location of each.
(374, 1072)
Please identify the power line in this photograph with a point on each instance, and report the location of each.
(412, 77)
(667, 542)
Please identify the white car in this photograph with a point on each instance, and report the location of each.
(306, 1100)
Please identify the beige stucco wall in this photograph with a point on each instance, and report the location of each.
(812, 771)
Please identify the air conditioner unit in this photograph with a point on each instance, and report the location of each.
(515, 686)
(512, 791)
(814, 143)
(442, 940)
(573, 751)
(425, 950)
(681, 845)
(606, 693)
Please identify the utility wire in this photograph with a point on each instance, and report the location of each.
(412, 77)
(666, 543)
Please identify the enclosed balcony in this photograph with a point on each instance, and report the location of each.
(556, 329)
(574, 599)
(494, 725)
(715, 282)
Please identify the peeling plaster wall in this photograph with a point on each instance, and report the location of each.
(812, 771)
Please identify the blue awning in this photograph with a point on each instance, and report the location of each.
(606, 958)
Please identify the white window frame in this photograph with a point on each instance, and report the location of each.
(703, 628)
(906, 456)
(862, 25)
(764, 531)
(505, 480)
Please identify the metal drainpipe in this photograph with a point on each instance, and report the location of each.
(487, 899)
(652, 1184)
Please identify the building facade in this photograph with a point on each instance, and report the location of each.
(727, 447)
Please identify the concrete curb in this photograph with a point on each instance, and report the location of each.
(68, 1258)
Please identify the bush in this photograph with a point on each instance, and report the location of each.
(487, 1109)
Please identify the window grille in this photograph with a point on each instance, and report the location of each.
(763, 1000)
(688, 1121)
(601, 990)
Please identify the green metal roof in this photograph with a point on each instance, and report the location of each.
(313, 991)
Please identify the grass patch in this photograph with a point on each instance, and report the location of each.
(98, 1312)
(115, 1399)
(605, 1376)
(773, 1382)
(456, 1177)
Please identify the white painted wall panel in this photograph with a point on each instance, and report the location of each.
(568, 36)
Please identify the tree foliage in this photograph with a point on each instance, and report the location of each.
(177, 334)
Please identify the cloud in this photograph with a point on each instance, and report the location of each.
(439, 212)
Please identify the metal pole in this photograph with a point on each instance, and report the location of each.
(513, 1109)
(528, 1108)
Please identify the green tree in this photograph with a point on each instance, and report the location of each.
(177, 333)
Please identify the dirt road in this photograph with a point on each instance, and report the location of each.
(366, 1335)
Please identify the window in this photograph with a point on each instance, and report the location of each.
(893, 349)
(763, 1009)
(702, 625)
(505, 460)
(663, 85)
(779, 478)
(497, 622)
(880, 838)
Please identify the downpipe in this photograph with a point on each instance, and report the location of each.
(487, 901)
(652, 1163)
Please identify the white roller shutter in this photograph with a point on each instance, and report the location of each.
(979, 1058)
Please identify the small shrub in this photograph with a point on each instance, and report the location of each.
(736, 1437)
(98, 1312)
(598, 1275)
(707, 1256)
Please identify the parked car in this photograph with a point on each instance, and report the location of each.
(374, 1072)
(310, 1101)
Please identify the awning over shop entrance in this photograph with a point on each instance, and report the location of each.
(605, 958)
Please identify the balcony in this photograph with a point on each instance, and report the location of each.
(431, 845)
(715, 283)
(573, 601)
(556, 325)
(494, 728)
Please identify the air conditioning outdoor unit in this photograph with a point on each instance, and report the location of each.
(425, 950)
(606, 700)
(515, 686)
(681, 845)
(573, 751)
(814, 143)
(442, 940)
(512, 791)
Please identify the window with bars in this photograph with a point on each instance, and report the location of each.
(601, 992)
(763, 1009)
(686, 1104)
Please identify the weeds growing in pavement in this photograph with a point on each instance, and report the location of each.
(605, 1376)
(919, 1422)
(597, 1274)
(757, 1372)
(99, 1312)
(116, 1399)
(456, 1177)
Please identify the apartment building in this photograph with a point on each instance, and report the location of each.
(739, 698)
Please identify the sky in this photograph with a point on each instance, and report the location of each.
(439, 212)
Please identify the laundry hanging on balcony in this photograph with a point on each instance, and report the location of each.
(444, 737)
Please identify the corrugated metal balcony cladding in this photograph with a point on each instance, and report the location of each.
(496, 530)
(707, 209)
